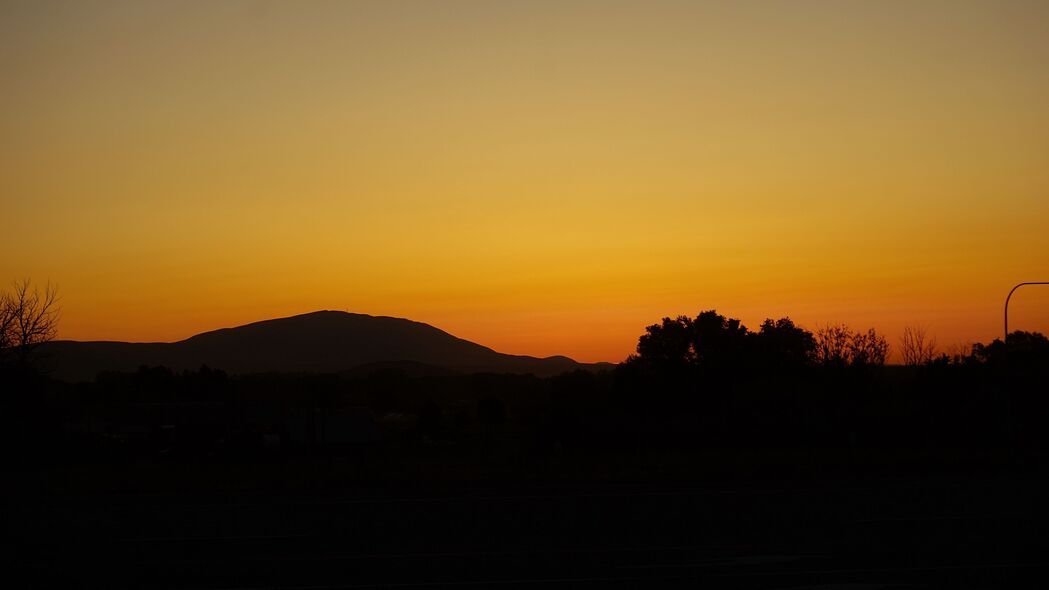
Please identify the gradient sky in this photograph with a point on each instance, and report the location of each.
(540, 177)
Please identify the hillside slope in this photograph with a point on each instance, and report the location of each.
(322, 341)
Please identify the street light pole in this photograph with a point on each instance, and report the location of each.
(1008, 297)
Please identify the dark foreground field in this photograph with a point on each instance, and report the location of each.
(745, 471)
(913, 532)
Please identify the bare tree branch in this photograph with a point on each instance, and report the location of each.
(916, 346)
(7, 322)
(838, 345)
(28, 318)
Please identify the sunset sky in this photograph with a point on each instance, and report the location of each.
(539, 177)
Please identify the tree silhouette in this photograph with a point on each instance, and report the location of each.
(832, 345)
(1023, 349)
(781, 344)
(28, 318)
(959, 352)
(838, 346)
(719, 342)
(709, 341)
(869, 348)
(917, 347)
(713, 342)
(667, 344)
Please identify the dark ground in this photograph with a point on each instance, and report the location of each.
(913, 532)
(810, 477)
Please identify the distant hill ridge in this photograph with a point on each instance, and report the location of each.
(320, 342)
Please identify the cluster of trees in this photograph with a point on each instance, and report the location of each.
(712, 341)
(839, 345)
(28, 318)
(1022, 350)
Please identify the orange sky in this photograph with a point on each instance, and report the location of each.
(542, 178)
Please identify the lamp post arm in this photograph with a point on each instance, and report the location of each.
(1005, 338)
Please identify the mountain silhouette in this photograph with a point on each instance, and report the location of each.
(320, 342)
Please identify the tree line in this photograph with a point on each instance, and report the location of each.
(714, 342)
(704, 384)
